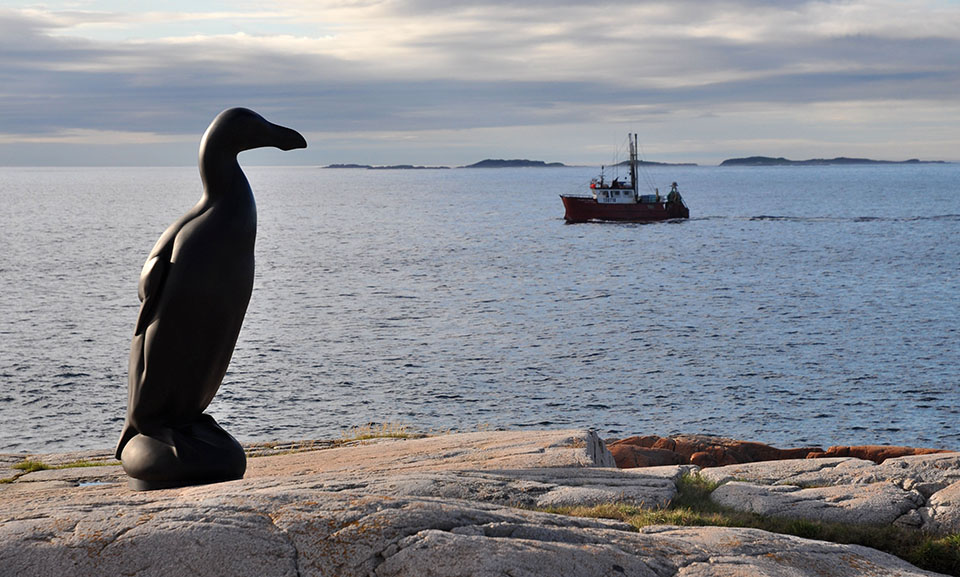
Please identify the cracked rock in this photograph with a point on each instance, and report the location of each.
(876, 503)
(942, 512)
(790, 472)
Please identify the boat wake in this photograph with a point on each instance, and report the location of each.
(766, 217)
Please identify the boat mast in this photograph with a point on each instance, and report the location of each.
(633, 163)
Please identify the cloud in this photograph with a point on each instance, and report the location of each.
(395, 66)
(87, 136)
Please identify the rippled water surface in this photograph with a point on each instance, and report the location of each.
(801, 305)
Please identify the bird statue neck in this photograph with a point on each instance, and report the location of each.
(220, 172)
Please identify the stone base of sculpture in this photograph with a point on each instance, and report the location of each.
(189, 454)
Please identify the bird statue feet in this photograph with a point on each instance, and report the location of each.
(193, 453)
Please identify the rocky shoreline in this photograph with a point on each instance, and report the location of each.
(466, 504)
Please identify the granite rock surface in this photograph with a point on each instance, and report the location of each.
(265, 529)
(921, 491)
(440, 506)
(874, 504)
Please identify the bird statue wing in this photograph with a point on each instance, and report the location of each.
(151, 281)
(154, 271)
(152, 277)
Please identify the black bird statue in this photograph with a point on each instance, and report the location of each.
(194, 289)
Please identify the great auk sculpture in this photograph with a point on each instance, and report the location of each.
(194, 289)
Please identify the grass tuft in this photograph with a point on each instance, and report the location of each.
(941, 555)
(32, 465)
(693, 492)
(85, 463)
(29, 466)
(378, 431)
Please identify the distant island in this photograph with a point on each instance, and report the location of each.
(391, 167)
(488, 163)
(500, 163)
(515, 163)
(770, 161)
(748, 161)
(651, 163)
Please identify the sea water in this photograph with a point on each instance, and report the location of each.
(797, 305)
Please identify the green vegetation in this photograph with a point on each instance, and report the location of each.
(692, 507)
(351, 435)
(938, 554)
(84, 463)
(381, 431)
(29, 466)
(26, 466)
(268, 448)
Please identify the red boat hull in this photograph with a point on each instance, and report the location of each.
(584, 208)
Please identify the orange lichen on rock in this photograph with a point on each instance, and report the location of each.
(631, 456)
(707, 451)
(875, 453)
(701, 450)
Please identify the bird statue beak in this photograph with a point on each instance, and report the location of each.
(287, 138)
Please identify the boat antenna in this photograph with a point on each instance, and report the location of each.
(646, 174)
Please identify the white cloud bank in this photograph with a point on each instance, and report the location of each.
(433, 82)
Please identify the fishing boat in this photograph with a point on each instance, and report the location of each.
(622, 201)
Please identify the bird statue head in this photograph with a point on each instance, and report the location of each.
(237, 129)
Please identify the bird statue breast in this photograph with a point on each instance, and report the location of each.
(194, 289)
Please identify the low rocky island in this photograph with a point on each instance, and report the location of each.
(487, 163)
(492, 163)
(840, 160)
(387, 167)
(487, 503)
(654, 163)
(515, 163)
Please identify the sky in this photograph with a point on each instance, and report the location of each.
(443, 82)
